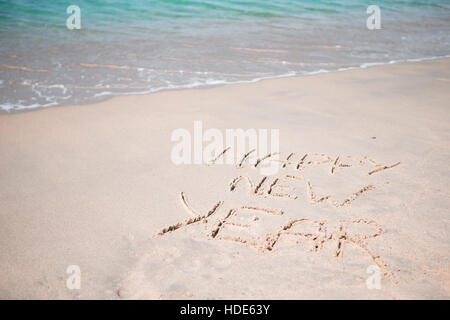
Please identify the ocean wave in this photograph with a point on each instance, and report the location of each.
(209, 82)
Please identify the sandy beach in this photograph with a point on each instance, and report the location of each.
(362, 191)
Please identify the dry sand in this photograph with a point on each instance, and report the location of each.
(93, 186)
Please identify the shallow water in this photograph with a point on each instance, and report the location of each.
(135, 47)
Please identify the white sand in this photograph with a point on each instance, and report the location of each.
(93, 185)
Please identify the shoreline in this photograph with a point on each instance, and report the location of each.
(95, 186)
(363, 66)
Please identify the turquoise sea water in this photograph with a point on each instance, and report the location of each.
(135, 47)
